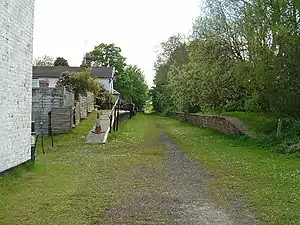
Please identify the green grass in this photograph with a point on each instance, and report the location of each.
(259, 123)
(75, 182)
(269, 182)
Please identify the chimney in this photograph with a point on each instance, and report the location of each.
(87, 60)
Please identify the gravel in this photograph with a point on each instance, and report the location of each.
(175, 193)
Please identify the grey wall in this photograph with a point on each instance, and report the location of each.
(43, 102)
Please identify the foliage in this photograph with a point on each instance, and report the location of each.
(44, 61)
(80, 82)
(132, 86)
(60, 61)
(129, 79)
(109, 55)
(242, 56)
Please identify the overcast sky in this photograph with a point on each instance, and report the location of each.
(69, 28)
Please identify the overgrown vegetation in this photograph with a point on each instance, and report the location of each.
(269, 182)
(242, 56)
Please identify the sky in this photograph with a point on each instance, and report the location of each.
(69, 28)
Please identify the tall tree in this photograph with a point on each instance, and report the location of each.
(44, 61)
(60, 61)
(132, 85)
(107, 55)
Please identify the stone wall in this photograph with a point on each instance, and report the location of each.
(83, 106)
(77, 113)
(44, 100)
(220, 123)
(90, 102)
(16, 25)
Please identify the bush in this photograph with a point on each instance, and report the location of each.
(79, 83)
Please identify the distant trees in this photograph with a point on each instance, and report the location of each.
(44, 61)
(60, 61)
(49, 61)
(108, 55)
(130, 80)
(242, 55)
(132, 85)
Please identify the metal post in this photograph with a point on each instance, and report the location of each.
(110, 121)
(118, 114)
(41, 123)
(33, 141)
(115, 113)
(52, 141)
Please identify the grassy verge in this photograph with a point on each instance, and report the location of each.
(269, 182)
(75, 182)
(259, 123)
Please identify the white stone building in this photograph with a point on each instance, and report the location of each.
(48, 76)
(16, 46)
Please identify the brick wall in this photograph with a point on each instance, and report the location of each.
(219, 123)
(16, 38)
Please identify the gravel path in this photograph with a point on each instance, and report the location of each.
(174, 193)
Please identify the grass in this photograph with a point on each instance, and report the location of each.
(269, 182)
(75, 183)
(259, 123)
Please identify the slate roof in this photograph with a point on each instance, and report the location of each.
(55, 71)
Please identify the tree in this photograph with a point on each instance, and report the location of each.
(132, 86)
(173, 52)
(80, 82)
(44, 61)
(243, 55)
(109, 55)
(60, 61)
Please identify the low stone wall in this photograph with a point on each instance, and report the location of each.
(90, 102)
(220, 123)
(77, 113)
(83, 106)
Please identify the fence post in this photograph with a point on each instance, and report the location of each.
(110, 121)
(118, 114)
(33, 141)
(42, 137)
(115, 112)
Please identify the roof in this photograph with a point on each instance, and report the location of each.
(55, 71)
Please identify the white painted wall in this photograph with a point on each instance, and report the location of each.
(16, 28)
(107, 85)
(52, 81)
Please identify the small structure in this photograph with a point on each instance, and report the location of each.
(52, 108)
